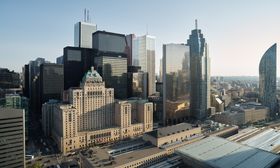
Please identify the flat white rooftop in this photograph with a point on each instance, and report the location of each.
(267, 140)
(217, 152)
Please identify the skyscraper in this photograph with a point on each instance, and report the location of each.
(34, 70)
(143, 54)
(12, 139)
(51, 82)
(200, 74)
(83, 34)
(267, 79)
(25, 84)
(33, 82)
(129, 39)
(176, 82)
(76, 62)
(110, 60)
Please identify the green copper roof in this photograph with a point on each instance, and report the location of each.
(92, 76)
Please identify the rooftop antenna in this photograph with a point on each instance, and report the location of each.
(147, 29)
(195, 23)
(85, 13)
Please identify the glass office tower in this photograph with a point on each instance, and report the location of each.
(51, 83)
(176, 83)
(267, 80)
(76, 62)
(110, 60)
(114, 72)
(200, 75)
(143, 55)
(83, 34)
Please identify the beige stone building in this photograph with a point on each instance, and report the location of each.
(217, 103)
(248, 113)
(94, 102)
(143, 121)
(90, 116)
(172, 134)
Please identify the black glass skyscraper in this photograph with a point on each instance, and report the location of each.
(111, 60)
(77, 61)
(200, 75)
(51, 81)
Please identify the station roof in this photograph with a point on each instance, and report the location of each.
(217, 152)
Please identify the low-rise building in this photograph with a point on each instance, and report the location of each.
(215, 152)
(217, 103)
(142, 152)
(172, 134)
(242, 114)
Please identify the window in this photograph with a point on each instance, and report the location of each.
(70, 117)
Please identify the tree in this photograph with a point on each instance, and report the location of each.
(36, 165)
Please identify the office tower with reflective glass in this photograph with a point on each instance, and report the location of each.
(143, 55)
(267, 79)
(176, 83)
(83, 34)
(111, 60)
(200, 75)
(51, 81)
(76, 62)
(129, 40)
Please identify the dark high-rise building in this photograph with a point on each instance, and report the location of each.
(34, 70)
(12, 139)
(129, 39)
(111, 60)
(9, 79)
(51, 82)
(25, 85)
(76, 61)
(33, 82)
(200, 75)
(113, 70)
(176, 83)
(267, 79)
(48, 84)
(157, 101)
(59, 60)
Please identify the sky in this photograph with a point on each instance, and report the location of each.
(238, 32)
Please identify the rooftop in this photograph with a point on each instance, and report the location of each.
(120, 154)
(166, 131)
(218, 152)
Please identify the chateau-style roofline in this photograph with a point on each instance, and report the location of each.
(92, 76)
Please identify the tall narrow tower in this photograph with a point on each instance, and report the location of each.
(200, 74)
(267, 79)
(143, 54)
(83, 32)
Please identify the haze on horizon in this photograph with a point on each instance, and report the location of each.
(238, 32)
